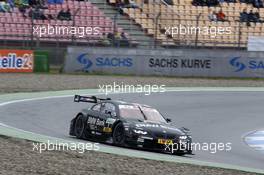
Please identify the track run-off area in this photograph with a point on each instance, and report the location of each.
(214, 115)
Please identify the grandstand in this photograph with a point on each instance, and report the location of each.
(184, 13)
(15, 26)
(143, 26)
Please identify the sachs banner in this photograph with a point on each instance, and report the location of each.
(167, 62)
(16, 61)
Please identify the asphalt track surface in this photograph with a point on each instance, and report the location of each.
(213, 117)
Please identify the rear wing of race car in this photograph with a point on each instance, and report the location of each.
(92, 99)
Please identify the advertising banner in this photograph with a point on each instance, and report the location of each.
(16, 61)
(180, 62)
(255, 43)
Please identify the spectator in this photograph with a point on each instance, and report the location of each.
(128, 4)
(257, 4)
(117, 38)
(23, 10)
(68, 14)
(252, 17)
(117, 35)
(61, 14)
(169, 2)
(212, 16)
(244, 16)
(37, 14)
(111, 37)
(42, 15)
(261, 5)
(104, 40)
(22, 6)
(64, 15)
(133, 4)
(249, 1)
(37, 3)
(199, 2)
(208, 3)
(120, 3)
(11, 3)
(34, 13)
(230, 1)
(32, 3)
(19, 3)
(258, 16)
(246, 1)
(5, 7)
(119, 6)
(211, 3)
(221, 16)
(124, 39)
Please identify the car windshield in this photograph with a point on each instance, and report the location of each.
(153, 115)
(131, 112)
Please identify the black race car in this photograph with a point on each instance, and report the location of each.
(129, 124)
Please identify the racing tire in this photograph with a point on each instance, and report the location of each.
(119, 135)
(79, 127)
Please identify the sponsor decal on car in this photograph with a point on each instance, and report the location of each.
(107, 129)
(147, 125)
(95, 121)
(165, 141)
(110, 120)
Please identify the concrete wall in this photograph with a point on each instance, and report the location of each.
(176, 62)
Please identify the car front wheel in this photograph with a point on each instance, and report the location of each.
(119, 134)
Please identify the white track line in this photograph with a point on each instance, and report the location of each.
(2, 124)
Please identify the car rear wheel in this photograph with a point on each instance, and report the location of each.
(79, 127)
(119, 134)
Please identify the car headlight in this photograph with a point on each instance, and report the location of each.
(183, 137)
(140, 132)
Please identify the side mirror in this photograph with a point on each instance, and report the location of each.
(168, 120)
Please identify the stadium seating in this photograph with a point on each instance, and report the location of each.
(14, 26)
(185, 14)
